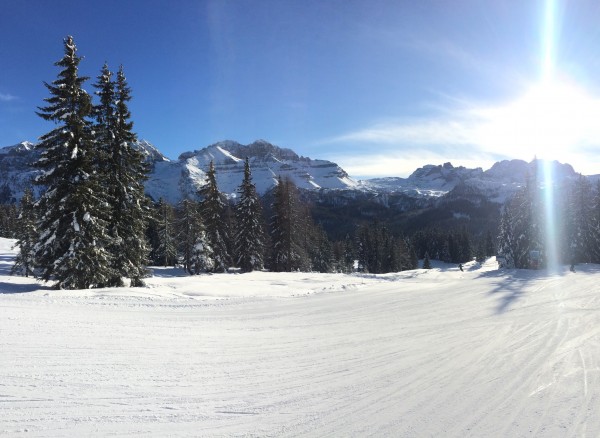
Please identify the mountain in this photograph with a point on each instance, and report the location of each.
(496, 184)
(172, 179)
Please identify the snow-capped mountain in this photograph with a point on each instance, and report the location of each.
(173, 179)
(498, 183)
(16, 170)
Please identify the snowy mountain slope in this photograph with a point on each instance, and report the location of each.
(173, 179)
(268, 162)
(498, 183)
(419, 353)
(16, 172)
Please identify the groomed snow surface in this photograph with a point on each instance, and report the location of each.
(437, 353)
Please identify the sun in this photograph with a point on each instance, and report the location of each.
(552, 120)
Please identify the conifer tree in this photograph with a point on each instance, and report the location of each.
(195, 253)
(426, 261)
(164, 251)
(320, 251)
(124, 170)
(72, 211)
(506, 237)
(580, 222)
(26, 235)
(212, 208)
(130, 212)
(349, 254)
(249, 236)
(288, 250)
(595, 244)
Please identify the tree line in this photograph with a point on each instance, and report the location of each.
(560, 223)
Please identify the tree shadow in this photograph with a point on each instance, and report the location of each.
(170, 272)
(6, 264)
(13, 288)
(511, 284)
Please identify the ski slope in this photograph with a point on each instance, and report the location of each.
(419, 353)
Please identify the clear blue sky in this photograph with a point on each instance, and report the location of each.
(378, 86)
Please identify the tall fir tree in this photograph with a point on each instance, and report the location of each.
(506, 237)
(288, 250)
(249, 236)
(194, 251)
(130, 211)
(580, 222)
(595, 244)
(73, 210)
(212, 208)
(26, 235)
(162, 234)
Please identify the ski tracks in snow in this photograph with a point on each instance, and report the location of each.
(440, 353)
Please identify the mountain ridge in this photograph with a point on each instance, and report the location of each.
(173, 180)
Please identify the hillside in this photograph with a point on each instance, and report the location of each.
(419, 353)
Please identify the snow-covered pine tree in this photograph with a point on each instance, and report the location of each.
(320, 251)
(580, 222)
(506, 237)
(194, 251)
(595, 244)
(164, 250)
(349, 254)
(526, 214)
(8, 220)
(124, 170)
(426, 261)
(249, 236)
(26, 235)
(212, 209)
(130, 210)
(72, 211)
(288, 251)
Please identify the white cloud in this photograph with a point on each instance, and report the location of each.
(401, 163)
(553, 120)
(7, 97)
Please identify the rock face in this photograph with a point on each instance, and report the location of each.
(174, 179)
(497, 184)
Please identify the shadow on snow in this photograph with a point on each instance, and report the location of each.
(512, 284)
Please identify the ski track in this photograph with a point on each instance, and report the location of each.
(437, 353)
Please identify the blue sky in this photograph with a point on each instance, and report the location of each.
(380, 87)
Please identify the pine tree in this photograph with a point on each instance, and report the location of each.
(580, 222)
(195, 253)
(349, 254)
(288, 242)
(249, 237)
(320, 251)
(212, 208)
(26, 235)
(595, 233)
(506, 237)
(426, 261)
(72, 211)
(129, 215)
(164, 251)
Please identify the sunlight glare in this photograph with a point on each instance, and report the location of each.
(549, 121)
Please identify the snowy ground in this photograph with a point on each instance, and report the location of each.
(420, 353)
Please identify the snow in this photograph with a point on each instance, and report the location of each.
(420, 353)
